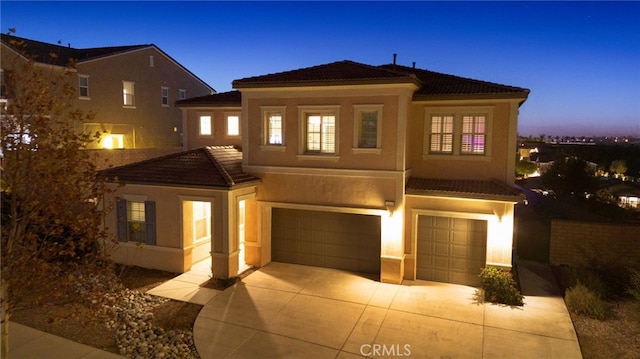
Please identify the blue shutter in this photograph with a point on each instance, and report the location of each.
(150, 221)
(121, 214)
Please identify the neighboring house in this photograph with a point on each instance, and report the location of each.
(396, 171)
(131, 89)
(212, 119)
(176, 210)
(625, 195)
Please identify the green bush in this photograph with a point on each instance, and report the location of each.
(500, 287)
(583, 300)
(588, 277)
(634, 283)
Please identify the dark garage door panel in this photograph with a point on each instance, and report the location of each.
(451, 250)
(326, 239)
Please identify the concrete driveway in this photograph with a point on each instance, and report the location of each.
(293, 311)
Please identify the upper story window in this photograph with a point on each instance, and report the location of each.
(205, 125)
(321, 133)
(273, 126)
(151, 62)
(473, 134)
(83, 86)
(461, 131)
(182, 94)
(128, 93)
(233, 125)
(319, 130)
(165, 96)
(367, 130)
(441, 136)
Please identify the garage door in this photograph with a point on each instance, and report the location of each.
(451, 250)
(326, 239)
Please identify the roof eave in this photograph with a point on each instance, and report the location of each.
(239, 84)
(522, 96)
(467, 195)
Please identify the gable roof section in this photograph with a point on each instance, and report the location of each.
(223, 99)
(41, 52)
(439, 86)
(211, 167)
(490, 190)
(336, 73)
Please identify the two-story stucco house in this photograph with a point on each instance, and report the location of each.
(130, 89)
(391, 170)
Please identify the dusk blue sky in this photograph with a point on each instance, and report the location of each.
(581, 60)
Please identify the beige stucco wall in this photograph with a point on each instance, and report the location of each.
(174, 250)
(191, 127)
(499, 164)
(149, 121)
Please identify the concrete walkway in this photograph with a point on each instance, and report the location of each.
(29, 343)
(288, 311)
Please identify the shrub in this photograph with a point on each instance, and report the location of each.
(583, 300)
(589, 278)
(634, 283)
(500, 287)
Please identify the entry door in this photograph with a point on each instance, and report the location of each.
(451, 250)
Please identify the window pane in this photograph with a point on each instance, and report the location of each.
(275, 129)
(136, 226)
(313, 133)
(233, 125)
(205, 125)
(441, 137)
(473, 134)
(128, 93)
(328, 134)
(369, 130)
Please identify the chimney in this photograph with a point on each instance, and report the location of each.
(394, 58)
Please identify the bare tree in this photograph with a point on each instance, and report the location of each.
(51, 218)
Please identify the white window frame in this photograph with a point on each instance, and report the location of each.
(303, 113)
(126, 85)
(458, 112)
(202, 116)
(164, 92)
(358, 111)
(267, 112)
(81, 86)
(227, 116)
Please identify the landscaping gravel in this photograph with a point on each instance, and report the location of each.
(130, 315)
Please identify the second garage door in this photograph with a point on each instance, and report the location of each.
(326, 239)
(451, 250)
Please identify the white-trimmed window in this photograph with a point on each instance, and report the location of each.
(182, 94)
(136, 221)
(128, 93)
(458, 131)
(473, 134)
(233, 124)
(205, 125)
(165, 96)
(319, 130)
(441, 136)
(367, 130)
(83, 86)
(273, 126)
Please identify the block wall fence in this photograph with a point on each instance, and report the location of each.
(574, 243)
(119, 157)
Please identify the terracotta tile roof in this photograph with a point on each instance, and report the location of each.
(231, 98)
(40, 51)
(335, 73)
(432, 85)
(492, 189)
(437, 85)
(211, 166)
